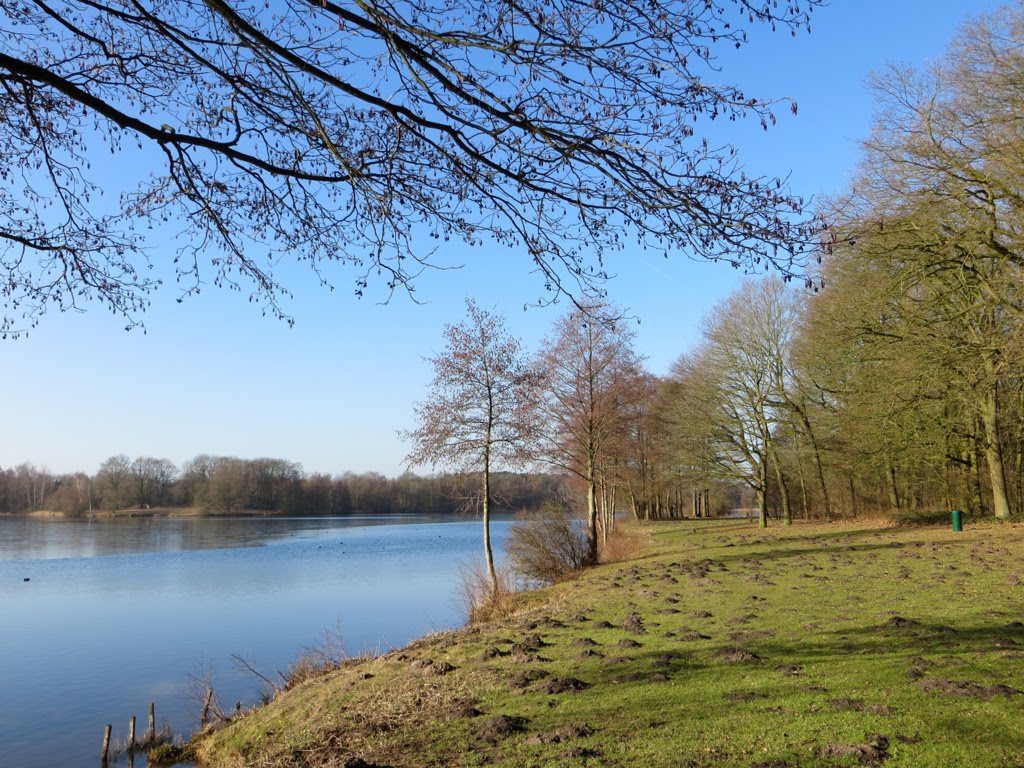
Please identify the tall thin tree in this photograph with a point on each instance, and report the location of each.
(589, 371)
(476, 415)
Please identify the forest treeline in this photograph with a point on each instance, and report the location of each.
(891, 380)
(225, 485)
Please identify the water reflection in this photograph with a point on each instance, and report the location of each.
(121, 613)
(37, 538)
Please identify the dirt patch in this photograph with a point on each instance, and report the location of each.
(358, 762)
(583, 642)
(526, 677)
(744, 619)
(967, 689)
(627, 642)
(579, 753)
(561, 735)
(629, 677)
(736, 655)
(465, 708)
(558, 685)
(528, 644)
(619, 660)
(431, 667)
(634, 623)
(502, 726)
(918, 666)
(688, 635)
(874, 750)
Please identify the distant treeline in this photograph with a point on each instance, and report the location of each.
(224, 484)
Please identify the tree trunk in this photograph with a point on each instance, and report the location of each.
(762, 508)
(803, 490)
(1020, 455)
(977, 492)
(853, 496)
(994, 452)
(894, 491)
(762, 496)
(591, 511)
(773, 456)
(492, 576)
(611, 511)
(817, 463)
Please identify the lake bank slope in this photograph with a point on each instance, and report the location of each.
(722, 645)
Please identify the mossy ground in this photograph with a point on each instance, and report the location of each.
(722, 645)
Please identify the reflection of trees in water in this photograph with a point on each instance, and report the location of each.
(24, 538)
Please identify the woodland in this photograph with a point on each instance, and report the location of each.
(877, 365)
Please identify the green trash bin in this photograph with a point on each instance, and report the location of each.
(958, 520)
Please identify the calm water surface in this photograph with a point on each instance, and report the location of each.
(116, 614)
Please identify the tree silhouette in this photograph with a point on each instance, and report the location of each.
(362, 134)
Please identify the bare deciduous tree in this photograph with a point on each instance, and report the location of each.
(728, 396)
(588, 371)
(477, 413)
(356, 133)
(113, 481)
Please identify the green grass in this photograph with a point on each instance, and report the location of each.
(863, 646)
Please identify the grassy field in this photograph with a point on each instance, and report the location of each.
(721, 645)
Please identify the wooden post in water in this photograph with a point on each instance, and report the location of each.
(106, 743)
(151, 733)
(131, 734)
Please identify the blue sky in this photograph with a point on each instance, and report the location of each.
(212, 375)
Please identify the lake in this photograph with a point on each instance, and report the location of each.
(98, 618)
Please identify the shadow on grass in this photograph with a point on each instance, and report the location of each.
(906, 640)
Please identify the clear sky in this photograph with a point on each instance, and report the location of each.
(212, 375)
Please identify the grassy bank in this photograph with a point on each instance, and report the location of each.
(721, 646)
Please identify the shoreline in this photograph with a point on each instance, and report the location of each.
(196, 512)
(679, 655)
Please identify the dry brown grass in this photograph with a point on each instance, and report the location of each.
(480, 601)
(626, 542)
